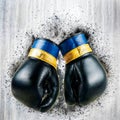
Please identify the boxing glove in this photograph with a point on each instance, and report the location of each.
(85, 77)
(35, 83)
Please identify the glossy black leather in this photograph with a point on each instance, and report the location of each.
(36, 84)
(85, 80)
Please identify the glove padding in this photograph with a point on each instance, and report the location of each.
(36, 84)
(85, 79)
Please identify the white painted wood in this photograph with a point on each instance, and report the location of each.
(20, 16)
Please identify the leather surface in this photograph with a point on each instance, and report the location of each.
(36, 84)
(85, 80)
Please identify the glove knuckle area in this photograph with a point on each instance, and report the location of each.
(24, 84)
(26, 93)
(86, 80)
(94, 77)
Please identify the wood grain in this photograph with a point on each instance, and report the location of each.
(17, 15)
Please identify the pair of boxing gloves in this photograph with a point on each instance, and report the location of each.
(36, 83)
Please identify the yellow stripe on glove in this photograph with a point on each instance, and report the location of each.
(77, 52)
(44, 56)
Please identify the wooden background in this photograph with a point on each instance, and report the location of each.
(20, 16)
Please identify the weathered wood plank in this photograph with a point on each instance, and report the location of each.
(20, 16)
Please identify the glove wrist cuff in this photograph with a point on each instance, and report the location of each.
(45, 50)
(74, 47)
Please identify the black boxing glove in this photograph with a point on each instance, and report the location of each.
(85, 77)
(35, 83)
